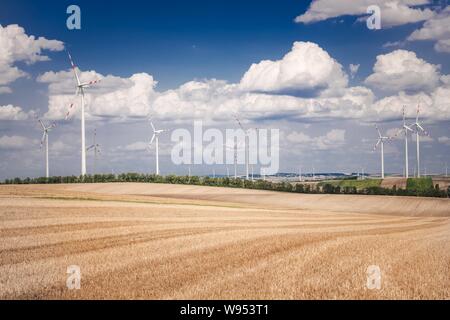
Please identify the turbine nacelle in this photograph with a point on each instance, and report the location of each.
(418, 127)
(156, 133)
(381, 138)
(80, 86)
(46, 129)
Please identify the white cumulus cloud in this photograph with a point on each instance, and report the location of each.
(17, 46)
(306, 67)
(333, 139)
(437, 29)
(10, 112)
(112, 97)
(393, 12)
(403, 70)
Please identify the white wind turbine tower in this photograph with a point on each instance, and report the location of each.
(155, 137)
(46, 130)
(406, 129)
(80, 91)
(96, 147)
(247, 151)
(419, 129)
(380, 142)
(235, 148)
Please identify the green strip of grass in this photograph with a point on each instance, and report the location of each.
(419, 184)
(358, 184)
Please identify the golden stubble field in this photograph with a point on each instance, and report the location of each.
(150, 241)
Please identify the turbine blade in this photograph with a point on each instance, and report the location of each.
(43, 139)
(153, 127)
(396, 134)
(69, 110)
(88, 84)
(52, 126)
(73, 68)
(417, 115)
(77, 92)
(376, 145)
(90, 147)
(239, 122)
(151, 140)
(378, 130)
(404, 116)
(42, 124)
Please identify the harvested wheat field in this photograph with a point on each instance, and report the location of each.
(150, 241)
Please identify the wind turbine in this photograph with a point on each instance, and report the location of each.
(419, 129)
(247, 151)
(46, 130)
(96, 147)
(155, 137)
(380, 142)
(405, 130)
(235, 148)
(80, 86)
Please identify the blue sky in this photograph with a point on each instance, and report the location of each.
(179, 41)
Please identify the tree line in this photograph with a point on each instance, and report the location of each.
(413, 188)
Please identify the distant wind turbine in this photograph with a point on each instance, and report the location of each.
(46, 130)
(235, 148)
(405, 130)
(419, 129)
(247, 151)
(380, 142)
(96, 147)
(80, 91)
(155, 137)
